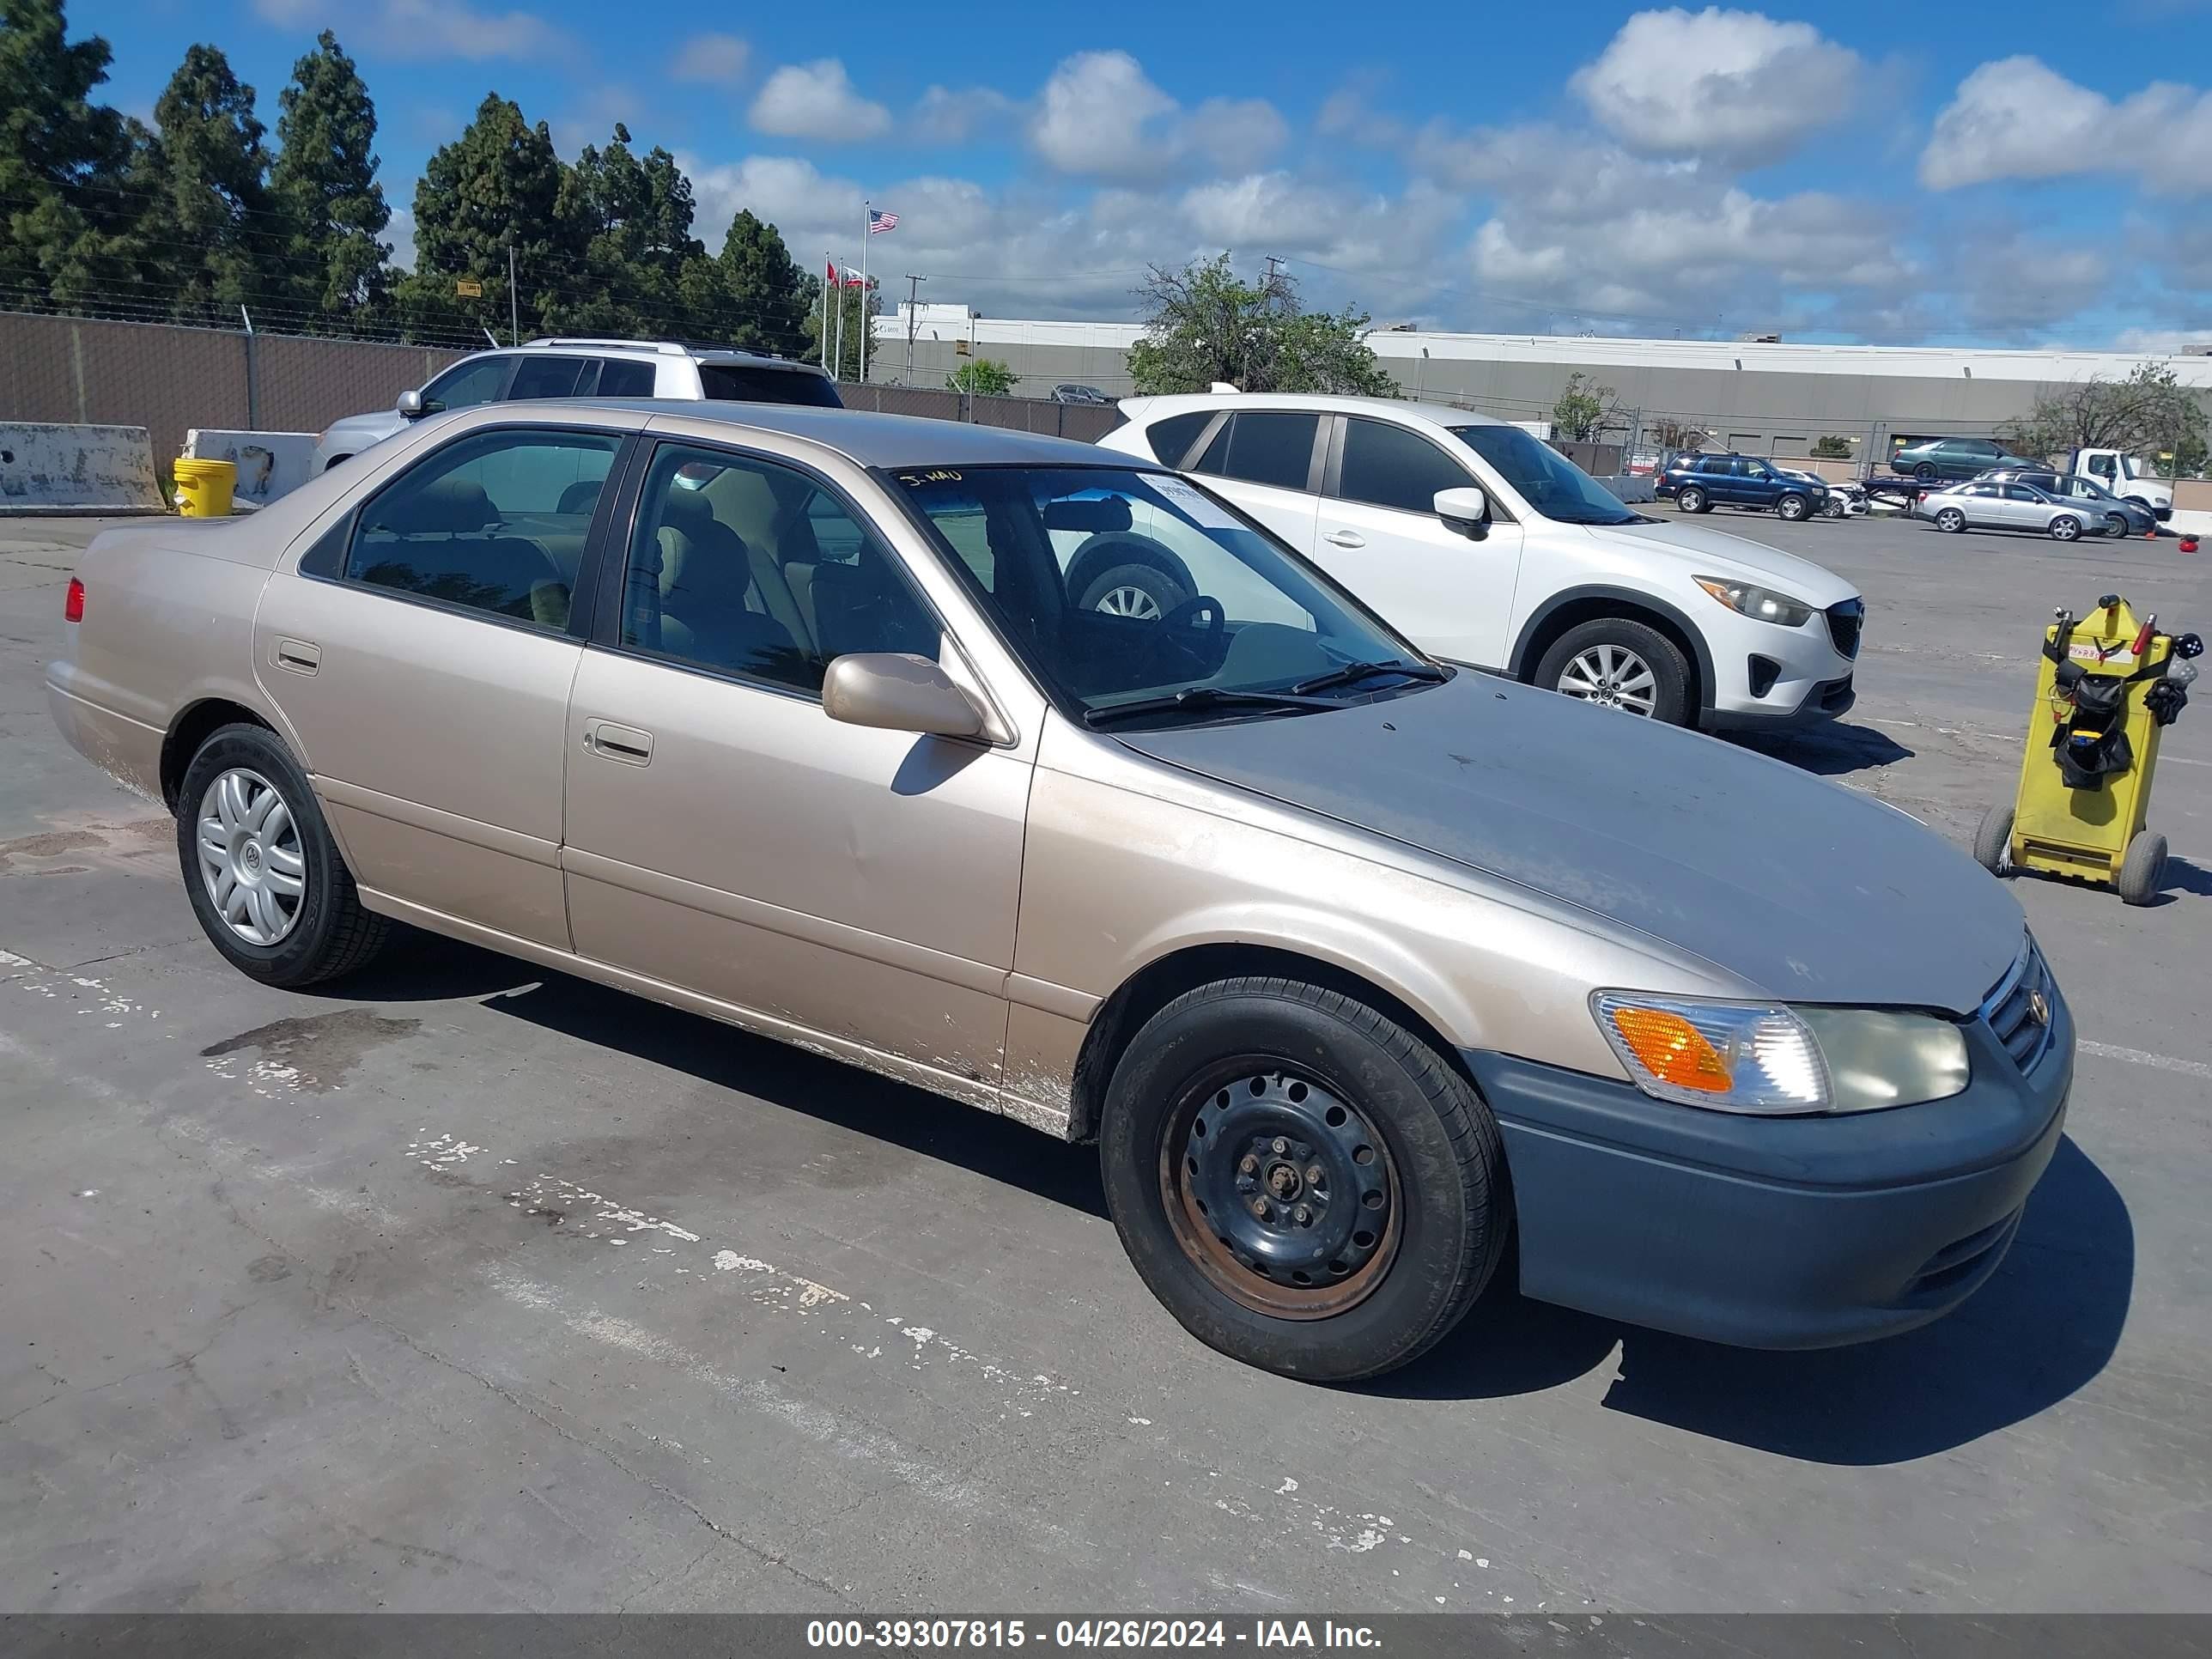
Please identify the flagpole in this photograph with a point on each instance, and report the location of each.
(829, 266)
(867, 235)
(841, 324)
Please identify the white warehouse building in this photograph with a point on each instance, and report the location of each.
(1760, 397)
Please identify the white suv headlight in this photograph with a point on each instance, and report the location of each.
(1770, 1060)
(1760, 604)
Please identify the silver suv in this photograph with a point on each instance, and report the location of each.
(571, 368)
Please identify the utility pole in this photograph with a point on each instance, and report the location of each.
(513, 304)
(913, 295)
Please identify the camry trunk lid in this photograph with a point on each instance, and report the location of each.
(1804, 889)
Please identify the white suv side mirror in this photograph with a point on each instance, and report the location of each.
(1466, 509)
(410, 405)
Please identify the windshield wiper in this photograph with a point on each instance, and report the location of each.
(1200, 697)
(1360, 671)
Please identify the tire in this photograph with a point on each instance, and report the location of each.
(1834, 509)
(2117, 524)
(1693, 499)
(2142, 871)
(1668, 698)
(1436, 1160)
(1925, 472)
(2065, 528)
(1134, 590)
(1793, 507)
(1950, 519)
(319, 934)
(1993, 841)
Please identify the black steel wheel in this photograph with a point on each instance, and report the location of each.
(1305, 1184)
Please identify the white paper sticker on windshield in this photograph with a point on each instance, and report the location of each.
(1203, 510)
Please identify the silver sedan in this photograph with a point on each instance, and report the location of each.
(2009, 507)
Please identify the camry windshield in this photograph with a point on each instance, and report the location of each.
(1141, 599)
(1545, 479)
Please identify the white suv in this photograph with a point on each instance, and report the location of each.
(1490, 547)
(587, 368)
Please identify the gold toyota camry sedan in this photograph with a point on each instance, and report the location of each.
(1355, 966)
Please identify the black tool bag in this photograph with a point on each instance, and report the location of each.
(2092, 744)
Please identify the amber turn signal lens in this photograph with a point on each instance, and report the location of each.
(1672, 1049)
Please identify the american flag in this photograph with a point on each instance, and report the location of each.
(880, 222)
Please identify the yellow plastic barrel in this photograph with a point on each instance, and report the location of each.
(203, 488)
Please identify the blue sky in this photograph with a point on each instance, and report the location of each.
(2014, 176)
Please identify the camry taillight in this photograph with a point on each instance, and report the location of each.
(73, 606)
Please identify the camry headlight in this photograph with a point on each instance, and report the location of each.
(1760, 604)
(1774, 1061)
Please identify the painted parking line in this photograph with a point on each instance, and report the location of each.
(2000, 737)
(2138, 1057)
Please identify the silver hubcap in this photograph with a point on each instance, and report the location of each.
(1127, 601)
(1614, 676)
(2064, 530)
(250, 856)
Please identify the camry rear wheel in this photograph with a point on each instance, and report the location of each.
(264, 875)
(1305, 1184)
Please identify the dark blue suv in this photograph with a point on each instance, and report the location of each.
(1699, 483)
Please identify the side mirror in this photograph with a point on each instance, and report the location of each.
(1465, 510)
(411, 404)
(896, 692)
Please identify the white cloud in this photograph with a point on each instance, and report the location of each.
(818, 100)
(2019, 118)
(400, 231)
(1349, 112)
(1717, 84)
(1345, 230)
(948, 115)
(1100, 116)
(715, 59)
(449, 28)
(1237, 134)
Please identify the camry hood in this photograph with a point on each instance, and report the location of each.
(1717, 553)
(1806, 889)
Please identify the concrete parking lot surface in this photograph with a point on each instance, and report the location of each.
(462, 1286)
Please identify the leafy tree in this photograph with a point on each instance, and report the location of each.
(324, 183)
(1202, 324)
(498, 184)
(1831, 448)
(205, 233)
(2149, 411)
(631, 217)
(986, 377)
(61, 160)
(1584, 410)
(764, 295)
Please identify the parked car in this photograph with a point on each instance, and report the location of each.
(1982, 506)
(1951, 457)
(1847, 500)
(1564, 586)
(1699, 483)
(1356, 967)
(1069, 392)
(2122, 517)
(586, 369)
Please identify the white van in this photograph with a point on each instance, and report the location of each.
(1490, 548)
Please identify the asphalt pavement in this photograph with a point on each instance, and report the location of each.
(461, 1286)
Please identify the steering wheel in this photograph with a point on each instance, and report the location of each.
(1177, 622)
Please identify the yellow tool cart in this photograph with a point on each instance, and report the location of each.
(2108, 684)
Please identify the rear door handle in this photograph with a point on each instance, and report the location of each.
(300, 656)
(1345, 538)
(625, 743)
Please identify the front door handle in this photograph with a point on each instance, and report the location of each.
(625, 743)
(1345, 538)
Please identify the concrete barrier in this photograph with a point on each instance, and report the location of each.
(1631, 486)
(269, 464)
(65, 469)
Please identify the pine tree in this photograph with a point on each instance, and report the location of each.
(206, 234)
(498, 183)
(632, 218)
(62, 163)
(324, 183)
(764, 293)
